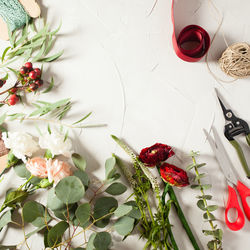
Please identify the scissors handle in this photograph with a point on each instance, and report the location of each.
(248, 139)
(233, 203)
(244, 192)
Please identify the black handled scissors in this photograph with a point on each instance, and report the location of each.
(236, 126)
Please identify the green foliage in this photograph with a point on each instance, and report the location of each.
(116, 189)
(90, 245)
(34, 213)
(102, 241)
(31, 44)
(14, 197)
(83, 213)
(123, 210)
(202, 203)
(5, 219)
(83, 177)
(103, 208)
(53, 202)
(124, 225)
(55, 233)
(70, 190)
(79, 161)
(11, 160)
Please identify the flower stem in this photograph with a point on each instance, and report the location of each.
(171, 235)
(182, 218)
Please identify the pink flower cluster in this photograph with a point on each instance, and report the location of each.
(54, 170)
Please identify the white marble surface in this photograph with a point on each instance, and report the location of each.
(120, 64)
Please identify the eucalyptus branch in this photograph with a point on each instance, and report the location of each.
(216, 243)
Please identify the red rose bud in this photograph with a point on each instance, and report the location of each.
(13, 99)
(173, 175)
(38, 71)
(155, 154)
(33, 75)
(28, 65)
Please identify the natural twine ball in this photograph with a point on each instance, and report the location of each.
(235, 60)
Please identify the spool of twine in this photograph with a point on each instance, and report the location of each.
(235, 60)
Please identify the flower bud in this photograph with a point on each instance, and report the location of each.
(44, 183)
(173, 175)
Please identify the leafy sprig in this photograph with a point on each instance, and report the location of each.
(50, 112)
(203, 204)
(31, 43)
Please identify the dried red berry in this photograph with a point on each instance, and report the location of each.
(23, 70)
(173, 175)
(13, 99)
(156, 154)
(13, 90)
(33, 75)
(38, 71)
(39, 82)
(33, 87)
(28, 65)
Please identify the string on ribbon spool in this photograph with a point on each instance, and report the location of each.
(191, 33)
(235, 60)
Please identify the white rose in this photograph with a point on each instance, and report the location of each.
(56, 143)
(21, 144)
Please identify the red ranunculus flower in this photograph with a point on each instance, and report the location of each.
(156, 154)
(173, 175)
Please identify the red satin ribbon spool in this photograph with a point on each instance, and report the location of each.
(191, 33)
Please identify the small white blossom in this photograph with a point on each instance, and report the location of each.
(21, 144)
(56, 143)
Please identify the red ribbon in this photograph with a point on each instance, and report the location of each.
(191, 33)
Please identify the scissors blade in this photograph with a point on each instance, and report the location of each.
(221, 156)
(228, 113)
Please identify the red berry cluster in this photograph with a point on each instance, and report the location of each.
(30, 77)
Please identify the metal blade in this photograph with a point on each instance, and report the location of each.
(221, 156)
(221, 103)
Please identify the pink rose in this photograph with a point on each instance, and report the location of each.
(57, 170)
(37, 167)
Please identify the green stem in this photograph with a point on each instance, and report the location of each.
(25, 183)
(171, 235)
(145, 196)
(182, 218)
(204, 200)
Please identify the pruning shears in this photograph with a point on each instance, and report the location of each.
(236, 126)
(233, 184)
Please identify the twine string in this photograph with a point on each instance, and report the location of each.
(13, 14)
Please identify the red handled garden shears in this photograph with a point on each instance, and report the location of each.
(236, 126)
(244, 191)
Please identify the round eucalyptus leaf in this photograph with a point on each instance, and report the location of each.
(55, 233)
(110, 167)
(102, 241)
(5, 219)
(104, 206)
(122, 210)
(83, 177)
(124, 225)
(116, 189)
(32, 210)
(90, 245)
(79, 161)
(70, 190)
(53, 202)
(83, 213)
(22, 171)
